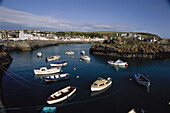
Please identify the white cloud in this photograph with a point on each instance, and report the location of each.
(12, 19)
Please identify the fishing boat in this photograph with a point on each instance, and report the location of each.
(59, 64)
(142, 80)
(137, 110)
(118, 63)
(61, 95)
(53, 58)
(101, 84)
(69, 52)
(83, 52)
(45, 71)
(49, 110)
(85, 57)
(57, 77)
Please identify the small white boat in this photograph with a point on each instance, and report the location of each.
(61, 95)
(117, 63)
(59, 64)
(44, 71)
(39, 54)
(142, 80)
(101, 84)
(53, 58)
(83, 52)
(57, 77)
(85, 57)
(69, 52)
(110, 62)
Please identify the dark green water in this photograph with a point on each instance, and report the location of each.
(23, 92)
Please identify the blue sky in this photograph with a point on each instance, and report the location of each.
(152, 16)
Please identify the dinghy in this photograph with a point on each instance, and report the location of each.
(39, 54)
(101, 84)
(52, 58)
(142, 80)
(61, 95)
(57, 77)
(69, 52)
(83, 52)
(59, 64)
(85, 58)
(45, 71)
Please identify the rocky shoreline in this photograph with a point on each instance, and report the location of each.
(5, 61)
(31, 45)
(132, 51)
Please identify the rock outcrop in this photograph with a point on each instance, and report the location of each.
(143, 51)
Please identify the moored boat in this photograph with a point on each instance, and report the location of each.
(83, 52)
(142, 80)
(69, 52)
(57, 77)
(59, 64)
(52, 58)
(118, 63)
(110, 62)
(44, 71)
(85, 58)
(49, 110)
(39, 54)
(101, 84)
(61, 95)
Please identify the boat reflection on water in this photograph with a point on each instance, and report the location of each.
(120, 67)
(147, 89)
(99, 92)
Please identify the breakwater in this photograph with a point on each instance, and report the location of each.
(132, 51)
(31, 45)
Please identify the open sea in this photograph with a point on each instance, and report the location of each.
(23, 92)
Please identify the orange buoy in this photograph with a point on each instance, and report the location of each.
(77, 76)
(74, 68)
(146, 75)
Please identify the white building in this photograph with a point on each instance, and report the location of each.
(26, 36)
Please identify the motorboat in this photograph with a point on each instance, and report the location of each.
(49, 110)
(39, 54)
(118, 63)
(85, 58)
(101, 84)
(83, 52)
(61, 95)
(69, 52)
(59, 64)
(45, 71)
(53, 58)
(57, 77)
(141, 79)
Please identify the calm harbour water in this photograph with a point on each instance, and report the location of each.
(23, 92)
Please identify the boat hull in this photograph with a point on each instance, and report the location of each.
(57, 79)
(101, 88)
(58, 65)
(62, 99)
(147, 83)
(38, 72)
